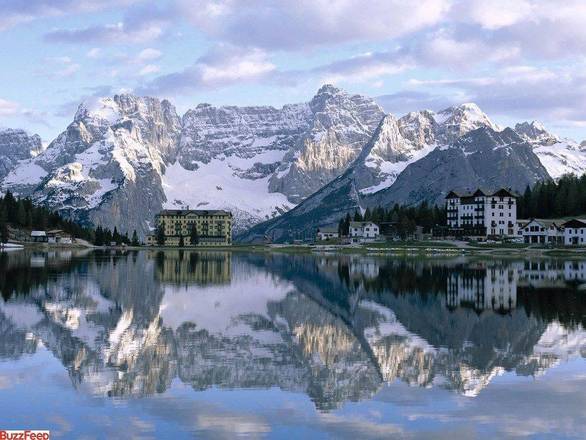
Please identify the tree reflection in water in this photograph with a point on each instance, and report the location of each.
(336, 328)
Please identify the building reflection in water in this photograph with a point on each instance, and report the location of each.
(336, 328)
(482, 288)
(192, 267)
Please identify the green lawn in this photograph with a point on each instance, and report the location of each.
(498, 245)
(410, 244)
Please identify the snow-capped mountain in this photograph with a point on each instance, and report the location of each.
(122, 159)
(481, 158)
(259, 162)
(16, 145)
(458, 120)
(415, 159)
(401, 142)
(106, 167)
(558, 156)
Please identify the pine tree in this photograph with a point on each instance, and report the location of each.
(193, 236)
(181, 241)
(135, 241)
(4, 232)
(99, 238)
(116, 236)
(20, 219)
(108, 237)
(160, 234)
(367, 215)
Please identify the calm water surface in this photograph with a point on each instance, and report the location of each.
(214, 345)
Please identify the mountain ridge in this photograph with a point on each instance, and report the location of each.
(123, 158)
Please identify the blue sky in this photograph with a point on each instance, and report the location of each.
(519, 60)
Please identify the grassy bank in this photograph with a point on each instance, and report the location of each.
(419, 248)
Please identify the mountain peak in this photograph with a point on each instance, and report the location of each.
(104, 108)
(535, 133)
(460, 119)
(329, 89)
(466, 111)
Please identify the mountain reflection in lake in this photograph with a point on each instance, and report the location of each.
(219, 343)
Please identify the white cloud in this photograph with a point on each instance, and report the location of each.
(556, 95)
(447, 50)
(149, 69)
(223, 66)
(495, 14)
(8, 108)
(59, 67)
(118, 33)
(15, 12)
(96, 52)
(149, 54)
(141, 23)
(292, 24)
(365, 67)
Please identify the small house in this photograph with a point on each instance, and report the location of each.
(542, 231)
(57, 236)
(361, 232)
(327, 233)
(39, 236)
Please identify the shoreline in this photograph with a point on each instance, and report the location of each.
(431, 249)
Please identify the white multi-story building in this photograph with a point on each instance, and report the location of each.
(363, 231)
(575, 232)
(482, 213)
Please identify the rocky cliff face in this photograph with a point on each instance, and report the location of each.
(16, 145)
(227, 156)
(122, 159)
(340, 125)
(259, 162)
(106, 168)
(416, 158)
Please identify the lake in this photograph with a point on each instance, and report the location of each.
(182, 344)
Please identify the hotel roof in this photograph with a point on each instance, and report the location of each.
(194, 211)
(502, 192)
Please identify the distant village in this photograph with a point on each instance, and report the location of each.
(482, 216)
(473, 216)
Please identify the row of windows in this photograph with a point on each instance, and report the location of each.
(576, 231)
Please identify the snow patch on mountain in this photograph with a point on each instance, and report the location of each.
(216, 185)
(99, 108)
(558, 156)
(27, 173)
(562, 158)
